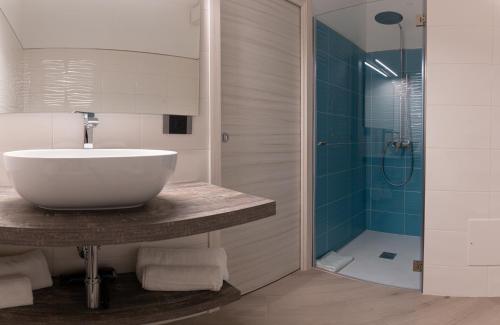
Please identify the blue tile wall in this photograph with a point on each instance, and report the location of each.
(393, 209)
(355, 117)
(340, 165)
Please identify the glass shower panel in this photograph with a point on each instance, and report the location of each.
(369, 122)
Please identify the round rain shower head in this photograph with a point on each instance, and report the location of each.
(389, 18)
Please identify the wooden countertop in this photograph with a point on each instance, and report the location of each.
(179, 210)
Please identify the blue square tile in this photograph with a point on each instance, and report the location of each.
(340, 129)
(358, 153)
(339, 212)
(413, 203)
(341, 101)
(323, 67)
(357, 80)
(358, 179)
(339, 158)
(322, 37)
(323, 97)
(321, 160)
(395, 157)
(387, 222)
(321, 220)
(375, 152)
(416, 181)
(338, 185)
(323, 127)
(387, 200)
(340, 236)
(368, 218)
(358, 224)
(321, 190)
(321, 245)
(340, 73)
(413, 224)
(395, 175)
(358, 202)
(341, 47)
(359, 107)
(414, 60)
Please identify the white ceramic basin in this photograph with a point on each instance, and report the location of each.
(89, 179)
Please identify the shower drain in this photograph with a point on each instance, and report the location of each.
(388, 255)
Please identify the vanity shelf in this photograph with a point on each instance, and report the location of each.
(179, 210)
(130, 304)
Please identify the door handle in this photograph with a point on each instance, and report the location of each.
(225, 137)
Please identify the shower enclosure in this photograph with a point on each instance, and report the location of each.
(369, 141)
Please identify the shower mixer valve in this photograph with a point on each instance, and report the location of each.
(400, 144)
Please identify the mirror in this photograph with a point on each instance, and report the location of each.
(113, 56)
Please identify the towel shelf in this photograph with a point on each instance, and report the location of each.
(130, 305)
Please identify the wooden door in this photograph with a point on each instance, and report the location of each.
(260, 53)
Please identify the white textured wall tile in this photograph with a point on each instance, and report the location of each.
(445, 248)
(118, 131)
(192, 165)
(495, 130)
(496, 44)
(462, 185)
(457, 170)
(152, 84)
(495, 99)
(118, 103)
(10, 68)
(465, 127)
(445, 44)
(450, 210)
(456, 281)
(494, 281)
(460, 12)
(64, 80)
(494, 204)
(483, 242)
(67, 131)
(459, 84)
(495, 170)
(25, 131)
(118, 82)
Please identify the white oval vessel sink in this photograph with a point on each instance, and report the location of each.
(89, 179)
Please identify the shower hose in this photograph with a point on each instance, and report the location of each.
(408, 177)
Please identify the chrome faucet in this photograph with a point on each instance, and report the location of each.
(90, 121)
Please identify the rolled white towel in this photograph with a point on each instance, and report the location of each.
(181, 278)
(32, 264)
(15, 290)
(182, 257)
